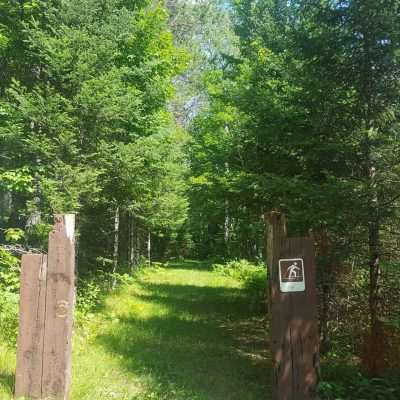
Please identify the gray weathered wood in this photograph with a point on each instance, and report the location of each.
(59, 309)
(294, 327)
(46, 315)
(31, 326)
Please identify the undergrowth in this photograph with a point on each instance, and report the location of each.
(253, 277)
(346, 382)
(9, 297)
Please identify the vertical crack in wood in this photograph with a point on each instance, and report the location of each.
(44, 330)
(293, 370)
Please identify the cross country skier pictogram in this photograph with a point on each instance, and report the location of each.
(292, 269)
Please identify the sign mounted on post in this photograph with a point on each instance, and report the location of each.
(293, 311)
(291, 275)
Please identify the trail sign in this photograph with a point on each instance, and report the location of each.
(293, 313)
(291, 275)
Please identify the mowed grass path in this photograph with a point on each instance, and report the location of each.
(178, 333)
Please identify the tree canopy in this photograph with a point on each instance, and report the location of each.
(171, 128)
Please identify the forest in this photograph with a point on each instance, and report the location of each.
(171, 129)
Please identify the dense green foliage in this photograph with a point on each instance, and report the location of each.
(172, 128)
(304, 121)
(84, 125)
(9, 298)
(84, 128)
(252, 276)
(347, 383)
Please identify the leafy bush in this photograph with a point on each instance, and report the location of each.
(88, 295)
(9, 303)
(14, 235)
(37, 235)
(9, 271)
(349, 384)
(9, 296)
(253, 276)
(92, 288)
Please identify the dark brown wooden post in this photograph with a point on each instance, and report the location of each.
(47, 299)
(28, 380)
(293, 311)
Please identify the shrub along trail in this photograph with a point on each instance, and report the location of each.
(182, 332)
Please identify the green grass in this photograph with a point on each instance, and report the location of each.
(178, 333)
(7, 372)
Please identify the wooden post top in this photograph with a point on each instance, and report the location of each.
(65, 223)
(277, 228)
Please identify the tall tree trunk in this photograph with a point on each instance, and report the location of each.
(374, 251)
(116, 243)
(373, 345)
(226, 223)
(138, 246)
(327, 278)
(132, 243)
(149, 247)
(367, 69)
(227, 219)
(374, 272)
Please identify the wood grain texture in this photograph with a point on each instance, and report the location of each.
(59, 310)
(294, 326)
(46, 317)
(31, 327)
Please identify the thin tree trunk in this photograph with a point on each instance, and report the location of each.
(149, 247)
(132, 244)
(374, 272)
(374, 252)
(227, 219)
(138, 247)
(116, 244)
(226, 222)
(371, 174)
(327, 269)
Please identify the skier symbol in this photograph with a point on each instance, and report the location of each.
(292, 269)
(291, 275)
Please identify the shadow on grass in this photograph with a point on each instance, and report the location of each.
(7, 381)
(209, 346)
(203, 301)
(190, 264)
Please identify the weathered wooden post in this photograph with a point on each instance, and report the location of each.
(28, 380)
(46, 316)
(293, 310)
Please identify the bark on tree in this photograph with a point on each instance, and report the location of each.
(116, 242)
(133, 259)
(149, 247)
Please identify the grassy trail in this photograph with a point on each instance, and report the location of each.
(177, 333)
